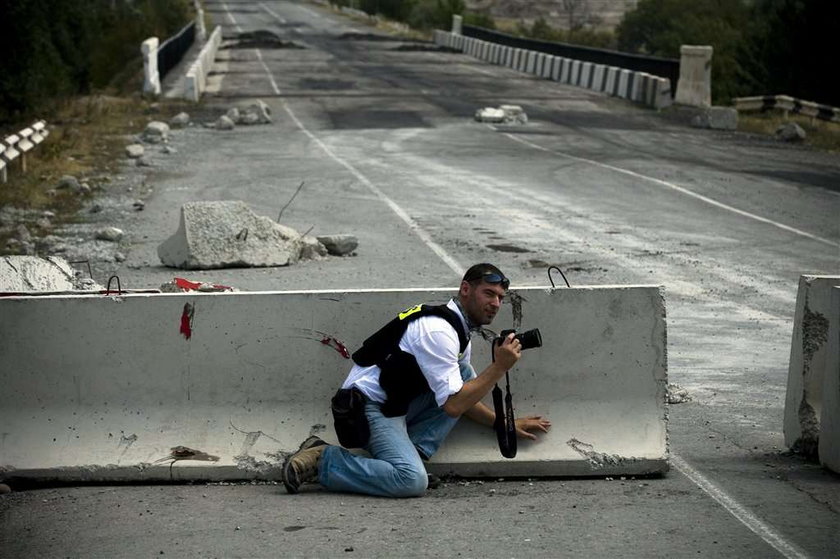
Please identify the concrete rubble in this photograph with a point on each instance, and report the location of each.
(504, 114)
(180, 120)
(111, 234)
(254, 113)
(790, 132)
(156, 132)
(228, 234)
(35, 274)
(339, 245)
(134, 151)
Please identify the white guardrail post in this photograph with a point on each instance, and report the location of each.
(151, 82)
(18, 145)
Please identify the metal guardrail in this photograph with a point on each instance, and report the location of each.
(16, 146)
(665, 67)
(787, 104)
(172, 50)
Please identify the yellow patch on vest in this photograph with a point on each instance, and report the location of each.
(408, 312)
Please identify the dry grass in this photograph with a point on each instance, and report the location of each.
(87, 139)
(820, 133)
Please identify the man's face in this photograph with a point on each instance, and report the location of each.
(481, 301)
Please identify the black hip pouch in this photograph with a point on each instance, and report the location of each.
(351, 424)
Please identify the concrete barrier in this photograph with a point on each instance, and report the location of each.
(457, 24)
(196, 78)
(787, 104)
(639, 87)
(16, 146)
(151, 76)
(694, 87)
(829, 450)
(808, 368)
(104, 388)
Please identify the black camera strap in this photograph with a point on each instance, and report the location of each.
(505, 422)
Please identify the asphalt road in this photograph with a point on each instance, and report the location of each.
(381, 133)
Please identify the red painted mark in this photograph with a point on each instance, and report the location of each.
(198, 286)
(338, 346)
(186, 320)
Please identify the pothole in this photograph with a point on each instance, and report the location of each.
(260, 39)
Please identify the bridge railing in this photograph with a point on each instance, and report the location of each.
(15, 147)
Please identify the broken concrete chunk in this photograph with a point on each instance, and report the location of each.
(134, 151)
(258, 112)
(506, 114)
(156, 132)
(490, 114)
(716, 118)
(311, 248)
(790, 132)
(233, 115)
(514, 114)
(339, 245)
(228, 234)
(180, 120)
(224, 123)
(111, 234)
(31, 273)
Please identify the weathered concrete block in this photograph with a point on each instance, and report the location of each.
(829, 451)
(226, 235)
(224, 123)
(808, 363)
(694, 87)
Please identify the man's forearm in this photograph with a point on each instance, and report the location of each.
(473, 391)
(481, 414)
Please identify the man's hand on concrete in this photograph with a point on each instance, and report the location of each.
(508, 353)
(525, 426)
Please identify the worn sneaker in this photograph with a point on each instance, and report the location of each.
(311, 442)
(302, 466)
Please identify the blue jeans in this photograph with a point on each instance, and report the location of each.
(396, 468)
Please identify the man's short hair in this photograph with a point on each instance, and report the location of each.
(487, 272)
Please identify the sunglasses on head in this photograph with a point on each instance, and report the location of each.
(492, 278)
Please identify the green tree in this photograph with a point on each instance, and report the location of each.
(660, 27)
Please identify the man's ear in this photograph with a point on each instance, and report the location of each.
(464, 290)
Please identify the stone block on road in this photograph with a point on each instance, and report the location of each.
(226, 235)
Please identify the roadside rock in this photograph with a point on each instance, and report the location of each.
(180, 120)
(339, 245)
(490, 114)
(233, 115)
(224, 123)
(228, 234)
(134, 151)
(256, 113)
(790, 132)
(156, 132)
(31, 273)
(111, 234)
(69, 182)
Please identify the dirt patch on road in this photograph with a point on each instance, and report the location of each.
(260, 39)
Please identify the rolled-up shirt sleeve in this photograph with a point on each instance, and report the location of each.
(435, 347)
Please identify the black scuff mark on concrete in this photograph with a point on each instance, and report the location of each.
(516, 301)
(814, 336)
(126, 443)
(317, 428)
(597, 460)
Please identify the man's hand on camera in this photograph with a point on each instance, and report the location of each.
(524, 426)
(509, 352)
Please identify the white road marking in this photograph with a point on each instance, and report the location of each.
(681, 190)
(478, 70)
(268, 72)
(271, 13)
(413, 225)
(230, 18)
(748, 519)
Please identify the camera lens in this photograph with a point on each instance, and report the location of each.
(530, 339)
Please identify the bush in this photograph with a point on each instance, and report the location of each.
(56, 48)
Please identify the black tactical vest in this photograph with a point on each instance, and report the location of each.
(401, 378)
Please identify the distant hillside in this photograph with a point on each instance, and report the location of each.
(600, 14)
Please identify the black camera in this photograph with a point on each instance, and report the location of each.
(528, 339)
